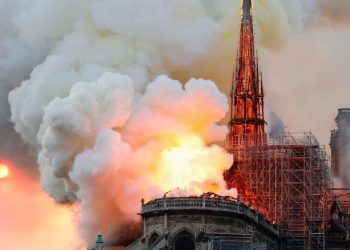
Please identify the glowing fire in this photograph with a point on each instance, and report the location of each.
(193, 166)
(4, 171)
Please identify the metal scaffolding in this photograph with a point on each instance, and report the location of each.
(285, 180)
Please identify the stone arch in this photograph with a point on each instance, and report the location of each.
(184, 240)
(154, 237)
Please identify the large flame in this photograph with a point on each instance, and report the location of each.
(193, 166)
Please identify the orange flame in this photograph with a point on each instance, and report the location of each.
(193, 166)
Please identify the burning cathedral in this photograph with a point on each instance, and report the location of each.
(284, 199)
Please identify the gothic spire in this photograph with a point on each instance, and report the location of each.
(247, 125)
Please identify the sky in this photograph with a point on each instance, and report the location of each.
(31, 219)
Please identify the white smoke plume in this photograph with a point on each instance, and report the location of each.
(107, 148)
(106, 140)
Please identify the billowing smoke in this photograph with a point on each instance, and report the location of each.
(335, 13)
(106, 148)
(105, 140)
(17, 59)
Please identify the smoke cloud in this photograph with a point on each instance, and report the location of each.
(105, 140)
(103, 145)
(17, 60)
(335, 13)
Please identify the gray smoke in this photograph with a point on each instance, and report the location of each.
(275, 126)
(17, 60)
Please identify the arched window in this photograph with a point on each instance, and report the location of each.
(153, 239)
(184, 241)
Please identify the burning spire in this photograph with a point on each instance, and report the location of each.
(247, 124)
